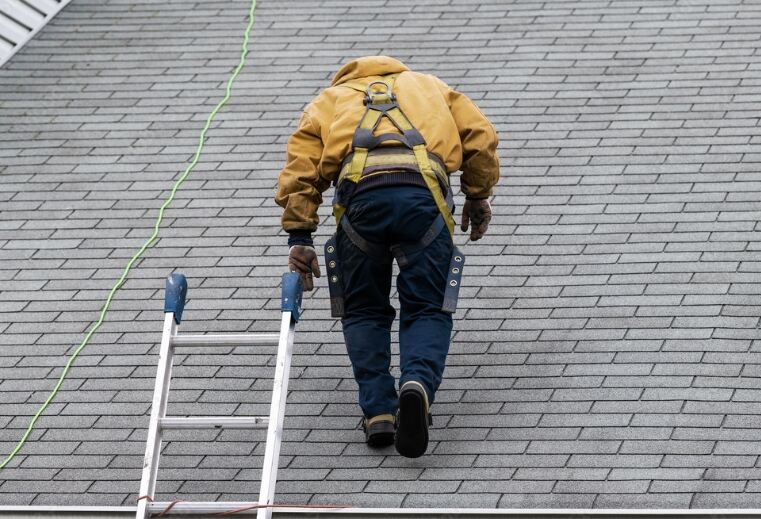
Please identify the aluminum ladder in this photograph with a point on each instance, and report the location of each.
(174, 302)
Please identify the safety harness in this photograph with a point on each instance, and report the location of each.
(368, 160)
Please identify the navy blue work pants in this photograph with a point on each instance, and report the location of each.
(389, 215)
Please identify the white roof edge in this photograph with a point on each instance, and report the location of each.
(69, 512)
(103, 512)
(35, 28)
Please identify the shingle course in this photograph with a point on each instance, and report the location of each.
(603, 351)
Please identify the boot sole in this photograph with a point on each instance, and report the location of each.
(412, 434)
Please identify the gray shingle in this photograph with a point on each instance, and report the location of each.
(607, 323)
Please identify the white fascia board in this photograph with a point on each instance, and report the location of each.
(122, 512)
(11, 39)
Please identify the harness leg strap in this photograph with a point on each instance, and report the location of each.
(404, 249)
(335, 281)
(454, 278)
(372, 249)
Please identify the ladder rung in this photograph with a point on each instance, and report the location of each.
(208, 507)
(198, 507)
(229, 339)
(212, 422)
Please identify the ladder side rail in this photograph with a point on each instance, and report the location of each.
(277, 415)
(158, 411)
(174, 303)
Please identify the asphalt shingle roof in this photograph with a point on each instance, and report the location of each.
(605, 350)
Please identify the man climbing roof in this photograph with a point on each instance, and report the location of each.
(388, 138)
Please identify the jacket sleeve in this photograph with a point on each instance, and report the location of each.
(480, 163)
(300, 186)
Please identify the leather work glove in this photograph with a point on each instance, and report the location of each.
(478, 213)
(303, 259)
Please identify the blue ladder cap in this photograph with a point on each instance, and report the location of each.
(174, 298)
(293, 288)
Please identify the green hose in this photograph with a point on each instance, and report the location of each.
(148, 243)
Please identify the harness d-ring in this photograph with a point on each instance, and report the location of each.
(370, 93)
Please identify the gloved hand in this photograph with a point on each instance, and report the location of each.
(303, 259)
(478, 213)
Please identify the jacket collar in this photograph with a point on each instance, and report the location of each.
(368, 66)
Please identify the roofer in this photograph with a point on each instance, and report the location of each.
(388, 138)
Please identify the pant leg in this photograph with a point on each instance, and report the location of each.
(424, 329)
(368, 315)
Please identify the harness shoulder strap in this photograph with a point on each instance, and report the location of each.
(383, 104)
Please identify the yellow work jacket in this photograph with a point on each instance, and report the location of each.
(453, 127)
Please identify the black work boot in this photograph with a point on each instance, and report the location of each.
(413, 420)
(379, 430)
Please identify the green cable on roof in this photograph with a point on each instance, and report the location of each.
(148, 243)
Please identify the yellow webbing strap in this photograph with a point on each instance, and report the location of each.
(421, 154)
(424, 164)
(368, 122)
(396, 115)
(369, 119)
(402, 158)
(338, 212)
